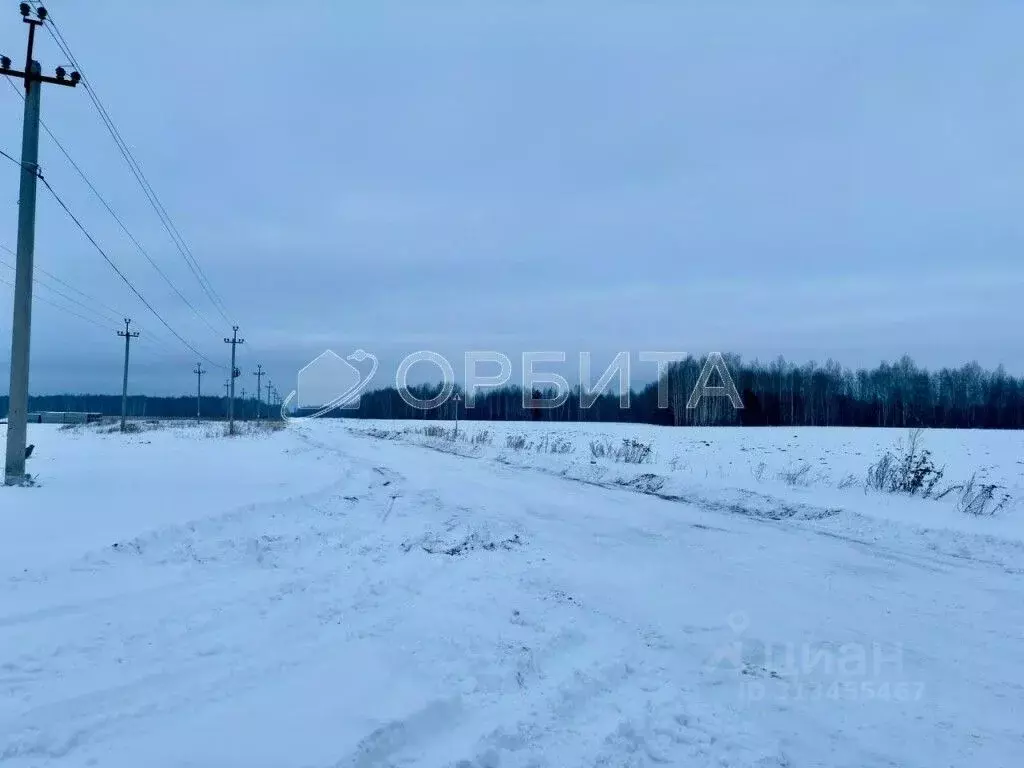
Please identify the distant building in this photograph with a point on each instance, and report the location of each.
(63, 417)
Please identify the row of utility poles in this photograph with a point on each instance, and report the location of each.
(259, 373)
(17, 419)
(199, 371)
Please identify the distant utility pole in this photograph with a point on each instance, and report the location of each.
(245, 405)
(227, 389)
(128, 336)
(457, 400)
(234, 341)
(259, 374)
(199, 390)
(21, 328)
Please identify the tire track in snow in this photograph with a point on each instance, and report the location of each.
(202, 552)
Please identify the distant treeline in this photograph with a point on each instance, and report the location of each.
(775, 394)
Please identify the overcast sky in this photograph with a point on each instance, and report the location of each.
(808, 179)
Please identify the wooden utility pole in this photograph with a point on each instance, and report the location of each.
(199, 390)
(128, 336)
(234, 341)
(21, 327)
(259, 374)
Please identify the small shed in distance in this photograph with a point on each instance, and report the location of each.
(63, 417)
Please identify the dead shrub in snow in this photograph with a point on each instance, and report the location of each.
(517, 442)
(385, 434)
(848, 481)
(978, 498)
(253, 428)
(546, 444)
(436, 430)
(439, 432)
(797, 476)
(633, 451)
(678, 463)
(909, 470)
(131, 428)
(558, 445)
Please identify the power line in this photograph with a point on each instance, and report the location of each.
(63, 295)
(62, 308)
(120, 274)
(16, 162)
(56, 279)
(87, 296)
(136, 169)
(140, 177)
(117, 218)
(97, 321)
(160, 340)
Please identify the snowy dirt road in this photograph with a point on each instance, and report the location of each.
(391, 605)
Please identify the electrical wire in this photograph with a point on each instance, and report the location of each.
(63, 295)
(64, 309)
(9, 157)
(112, 315)
(169, 225)
(121, 274)
(56, 279)
(54, 31)
(120, 222)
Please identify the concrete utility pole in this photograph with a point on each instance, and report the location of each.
(199, 390)
(234, 341)
(259, 374)
(128, 336)
(21, 327)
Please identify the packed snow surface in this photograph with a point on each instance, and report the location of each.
(345, 594)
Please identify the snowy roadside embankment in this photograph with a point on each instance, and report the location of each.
(97, 485)
(803, 474)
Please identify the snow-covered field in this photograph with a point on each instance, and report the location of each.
(362, 594)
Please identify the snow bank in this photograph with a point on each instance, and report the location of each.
(807, 473)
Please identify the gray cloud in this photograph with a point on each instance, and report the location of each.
(808, 179)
